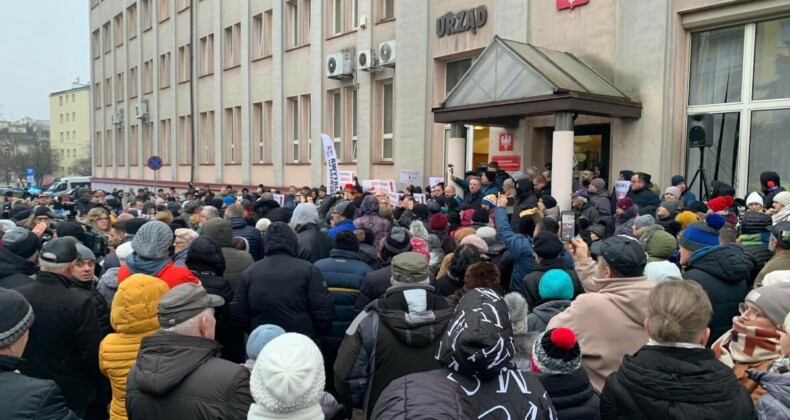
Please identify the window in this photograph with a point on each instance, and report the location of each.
(106, 38)
(60, 100)
(337, 16)
(148, 76)
(107, 92)
(184, 63)
(164, 10)
(148, 140)
(68, 136)
(232, 46)
(131, 21)
(306, 125)
(386, 9)
(119, 81)
(133, 142)
(108, 140)
(74, 134)
(262, 131)
(94, 3)
(147, 15)
(207, 137)
(298, 23)
(335, 111)
(61, 118)
(73, 118)
(185, 140)
(453, 72)
(133, 82)
(165, 127)
(387, 118)
(342, 16)
(740, 75)
(164, 71)
(183, 5)
(67, 117)
(207, 55)
(61, 136)
(72, 97)
(96, 95)
(96, 43)
(119, 147)
(117, 26)
(262, 35)
(231, 137)
(293, 117)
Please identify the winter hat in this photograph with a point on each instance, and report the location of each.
(261, 336)
(133, 225)
(671, 206)
(547, 245)
(598, 183)
(186, 235)
(21, 242)
(21, 215)
(518, 309)
(434, 242)
(773, 301)
(288, 379)
(420, 246)
(598, 229)
(517, 176)
(685, 218)
(345, 209)
(625, 203)
(476, 242)
(304, 213)
(72, 229)
(228, 200)
(84, 253)
(702, 234)
(466, 217)
(555, 284)
(720, 204)
(677, 179)
(490, 200)
(153, 240)
(486, 233)
(698, 207)
(548, 201)
(781, 231)
(123, 251)
(769, 179)
(674, 191)
(754, 198)
(480, 216)
(659, 244)
(421, 212)
(782, 198)
(17, 317)
(462, 233)
(644, 221)
(410, 267)
(438, 222)
(263, 224)
(659, 271)
(753, 222)
(580, 193)
(397, 241)
(190, 207)
(556, 351)
(345, 240)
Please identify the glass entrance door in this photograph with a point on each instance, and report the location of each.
(591, 150)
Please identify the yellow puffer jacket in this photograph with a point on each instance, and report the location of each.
(133, 316)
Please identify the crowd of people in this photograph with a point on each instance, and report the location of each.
(473, 303)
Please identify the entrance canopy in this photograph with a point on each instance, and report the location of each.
(512, 80)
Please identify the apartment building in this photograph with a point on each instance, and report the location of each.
(70, 130)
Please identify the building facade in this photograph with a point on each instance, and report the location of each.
(70, 131)
(238, 92)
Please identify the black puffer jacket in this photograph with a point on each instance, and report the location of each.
(645, 199)
(531, 282)
(284, 290)
(423, 396)
(660, 382)
(205, 259)
(477, 353)
(572, 395)
(177, 377)
(525, 199)
(758, 255)
(252, 235)
(723, 273)
(88, 289)
(15, 271)
(23, 397)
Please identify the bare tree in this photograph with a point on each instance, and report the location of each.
(82, 167)
(38, 156)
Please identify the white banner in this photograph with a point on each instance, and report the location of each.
(621, 188)
(346, 177)
(434, 180)
(279, 198)
(332, 176)
(394, 199)
(374, 185)
(411, 176)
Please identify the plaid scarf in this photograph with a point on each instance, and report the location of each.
(745, 344)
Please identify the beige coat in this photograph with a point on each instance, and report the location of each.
(608, 320)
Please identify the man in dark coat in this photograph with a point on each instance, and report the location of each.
(641, 194)
(314, 245)
(525, 200)
(235, 214)
(376, 283)
(23, 397)
(176, 374)
(18, 256)
(64, 342)
(283, 290)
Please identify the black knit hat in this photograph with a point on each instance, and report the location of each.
(549, 201)
(754, 222)
(698, 207)
(72, 229)
(556, 351)
(421, 212)
(547, 245)
(16, 317)
(345, 240)
(397, 241)
(346, 209)
(133, 225)
(598, 229)
(480, 216)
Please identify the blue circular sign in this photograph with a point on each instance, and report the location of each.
(155, 163)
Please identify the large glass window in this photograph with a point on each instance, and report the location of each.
(387, 122)
(716, 66)
(720, 159)
(772, 60)
(769, 144)
(454, 71)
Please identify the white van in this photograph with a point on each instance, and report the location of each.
(64, 185)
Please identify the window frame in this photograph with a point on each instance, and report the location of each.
(131, 22)
(384, 136)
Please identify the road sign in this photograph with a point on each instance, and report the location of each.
(155, 163)
(31, 177)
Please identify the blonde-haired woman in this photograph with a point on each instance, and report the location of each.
(674, 375)
(99, 219)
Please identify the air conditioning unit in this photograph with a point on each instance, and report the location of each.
(117, 118)
(141, 110)
(367, 61)
(339, 65)
(387, 54)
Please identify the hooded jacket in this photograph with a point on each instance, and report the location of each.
(531, 283)
(108, 285)
(134, 317)
(314, 245)
(659, 246)
(282, 289)
(720, 189)
(544, 312)
(608, 320)
(266, 209)
(236, 261)
(662, 382)
(723, 273)
(172, 274)
(525, 199)
(477, 352)
(23, 397)
(369, 218)
(603, 202)
(15, 271)
(206, 261)
(775, 405)
(177, 376)
(572, 395)
(252, 235)
(589, 212)
(396, 335)
(423, 396)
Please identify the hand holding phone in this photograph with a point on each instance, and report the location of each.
(567, 226)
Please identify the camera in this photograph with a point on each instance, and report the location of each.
(95, 241)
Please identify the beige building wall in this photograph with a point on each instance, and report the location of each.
(70, 128)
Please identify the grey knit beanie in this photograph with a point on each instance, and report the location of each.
(16, 318)
(644, 221)
(153, 240)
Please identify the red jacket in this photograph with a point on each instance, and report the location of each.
(171, 274)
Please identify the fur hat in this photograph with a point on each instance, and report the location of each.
(702, 234)
(556, 351)
(261, 336)
(518, 309)
(153, 240)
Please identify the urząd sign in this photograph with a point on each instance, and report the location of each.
(457, 22)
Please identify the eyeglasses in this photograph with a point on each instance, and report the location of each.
(748, 312)
(42, 219)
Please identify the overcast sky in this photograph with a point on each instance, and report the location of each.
(44, 46)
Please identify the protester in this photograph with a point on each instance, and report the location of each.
(369, 218)
(585, 210)
(548, 257)
(376, 283)
(626, 213)
(555, 291)
(151, 245)
(771, 186)
(367, 252)
(463, 257)
(183, 239)
(480, 274)
(674, 375)
(780, 210)
(775, 404)
(235, 213)
(342, 218)
(108, 283)
(519, 246)
(641, 194)
(755, 238)
(175, 375)
(423, 396)
(21, 396)
(258, 339)
(83, 281)
(236, 261)
(18, 256)
(779, 244)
